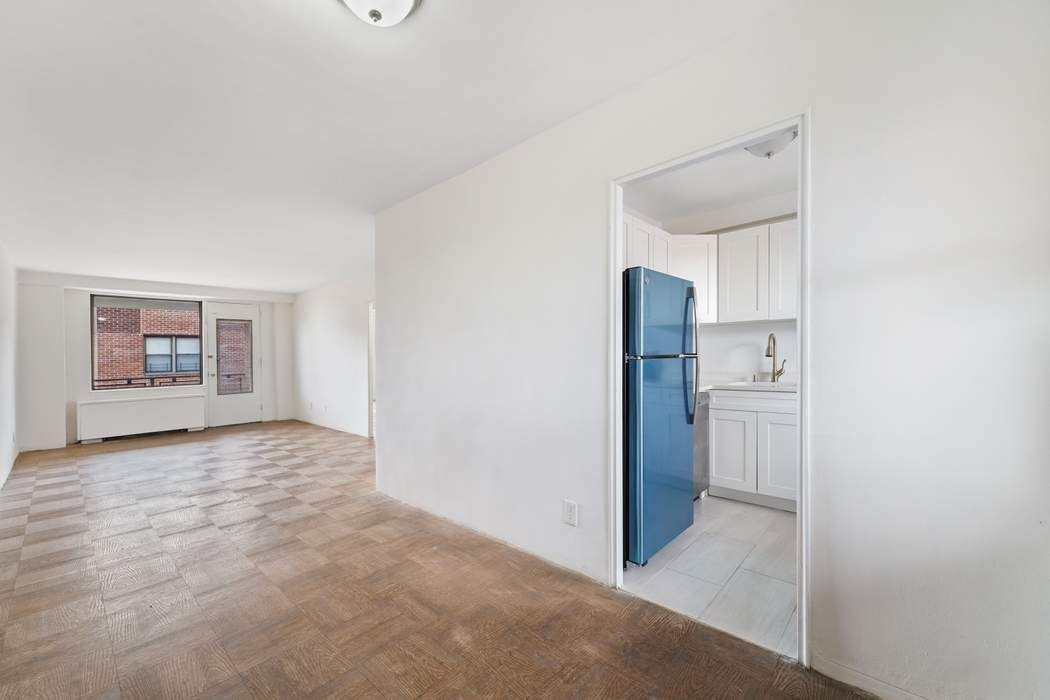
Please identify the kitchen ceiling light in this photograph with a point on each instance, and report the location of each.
(381, 13)
(772, 146)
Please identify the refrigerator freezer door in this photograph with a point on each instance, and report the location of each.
(659, 453)
(659, 314)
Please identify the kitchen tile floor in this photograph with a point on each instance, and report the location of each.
(734, 569)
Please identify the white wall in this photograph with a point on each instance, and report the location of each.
(41, 367)
(930, 282)
(284, 358)
(55, 350)
(331, 355)
(8, 350)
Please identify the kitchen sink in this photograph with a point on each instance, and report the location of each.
(763, 385)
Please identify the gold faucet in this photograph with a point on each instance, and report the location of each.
(771, 351)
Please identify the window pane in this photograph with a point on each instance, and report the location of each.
(188, 346)
(158, 363)
(233, 341)
(158, 346)
(134, 342)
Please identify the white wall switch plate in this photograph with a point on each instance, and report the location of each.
(570, 514)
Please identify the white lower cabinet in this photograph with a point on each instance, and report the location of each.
(734, 459)
(754, 444)
(778, 454)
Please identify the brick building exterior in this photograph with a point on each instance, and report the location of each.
(120, 344)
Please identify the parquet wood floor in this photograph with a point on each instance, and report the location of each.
(259, 561)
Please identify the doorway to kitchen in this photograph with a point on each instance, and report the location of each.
(708, 363)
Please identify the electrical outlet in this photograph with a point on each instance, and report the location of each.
(570, 513)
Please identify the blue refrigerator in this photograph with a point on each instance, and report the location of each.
(661, 368)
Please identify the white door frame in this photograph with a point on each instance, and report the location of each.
(615, 378)
(371, 369)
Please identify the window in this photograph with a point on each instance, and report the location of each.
(187, 354)
(158, 355)
(145, 342)
(233, 339)
(160, 359)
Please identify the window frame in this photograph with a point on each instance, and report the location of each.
(93, 311)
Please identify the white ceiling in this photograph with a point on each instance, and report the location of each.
(245, 142)
(730, 179)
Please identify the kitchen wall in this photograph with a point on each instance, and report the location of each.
(8, 350)
(928, 263)
(734, 351)
(331, 355)
(55, 350)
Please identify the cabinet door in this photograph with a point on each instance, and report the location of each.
(659, 250)
(778, 455)
(733, 449)
(783, 269)
(696, 258)
(636, 240)
(743, 275)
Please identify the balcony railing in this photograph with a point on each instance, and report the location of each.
(234, 383)
(153, 380)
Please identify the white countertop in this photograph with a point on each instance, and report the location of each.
(778, 387)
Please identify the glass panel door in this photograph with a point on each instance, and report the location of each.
(233, 364)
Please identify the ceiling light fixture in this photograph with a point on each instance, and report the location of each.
(772, 146)
(381, 13)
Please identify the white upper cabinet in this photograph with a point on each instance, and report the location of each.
(660, 250)
(636, 238)
(646, 245)
(750, 274)
(783, 269)
(743, 275)
(695, 257)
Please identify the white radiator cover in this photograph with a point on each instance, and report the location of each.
(133, 416)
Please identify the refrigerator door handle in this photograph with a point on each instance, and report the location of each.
(691, 301)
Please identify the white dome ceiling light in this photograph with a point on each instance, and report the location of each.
(381, 13)
(772, 146)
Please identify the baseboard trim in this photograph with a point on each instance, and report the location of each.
(759, 499)
(853, 677)
(6, 471)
